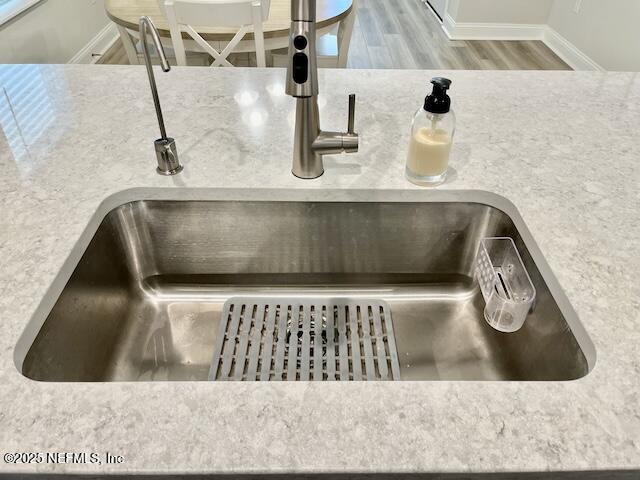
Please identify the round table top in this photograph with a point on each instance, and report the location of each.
(127, 13)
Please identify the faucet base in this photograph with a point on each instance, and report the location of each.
(169, 173)
(307, 162)
(307, 178)
(167, 155)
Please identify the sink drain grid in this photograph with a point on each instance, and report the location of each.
(275, 339)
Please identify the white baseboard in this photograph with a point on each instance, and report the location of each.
(98, 45)
(568, 52)
(491, 31)
(562, 47)
(11, 10)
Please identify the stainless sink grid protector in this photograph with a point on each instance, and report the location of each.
(302, 339)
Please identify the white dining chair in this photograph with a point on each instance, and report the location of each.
(183, 15)
(332, 48)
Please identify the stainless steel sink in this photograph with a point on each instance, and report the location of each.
(140, 298)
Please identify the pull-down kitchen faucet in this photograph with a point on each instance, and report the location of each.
(311, 143)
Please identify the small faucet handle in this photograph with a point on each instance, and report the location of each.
(351, 127)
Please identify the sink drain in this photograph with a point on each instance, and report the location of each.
(316, 340)
(289, 339)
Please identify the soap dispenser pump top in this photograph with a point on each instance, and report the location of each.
(439, 102)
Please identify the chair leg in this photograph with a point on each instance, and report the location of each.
(178, 49)
(345, 32)
(258, 35)
(129, 47)
(268, 56)
(261, 59)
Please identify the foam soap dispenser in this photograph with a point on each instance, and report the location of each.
(431, 137)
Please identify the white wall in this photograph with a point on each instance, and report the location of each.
(606, 31)
(600, 35)
(53, 31)
(500, 11)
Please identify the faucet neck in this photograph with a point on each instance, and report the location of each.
(146, 26)
(303, 10)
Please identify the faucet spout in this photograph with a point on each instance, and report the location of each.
(310, 142)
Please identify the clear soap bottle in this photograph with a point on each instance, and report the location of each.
(432, 137)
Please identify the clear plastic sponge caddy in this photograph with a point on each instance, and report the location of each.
(505, 284)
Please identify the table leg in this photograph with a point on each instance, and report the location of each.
(129, 47)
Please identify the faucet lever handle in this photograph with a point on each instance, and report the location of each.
(351, 127)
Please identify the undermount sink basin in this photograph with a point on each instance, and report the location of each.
(140, 297)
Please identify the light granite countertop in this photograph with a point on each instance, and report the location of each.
(564, 147)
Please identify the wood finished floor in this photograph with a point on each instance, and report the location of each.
(406, 34)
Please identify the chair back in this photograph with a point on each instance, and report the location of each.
(187, 15)
(215, 13)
